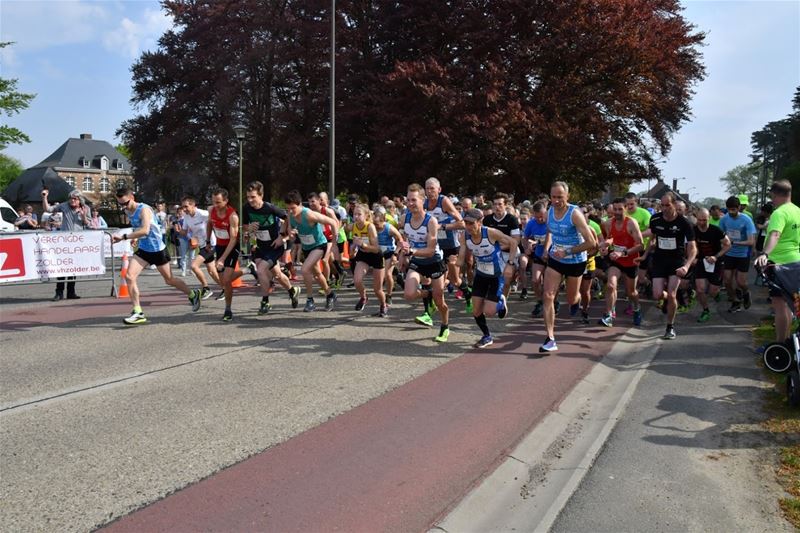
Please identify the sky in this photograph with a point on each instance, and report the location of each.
(76, 57)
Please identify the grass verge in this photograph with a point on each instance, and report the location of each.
(784, 422)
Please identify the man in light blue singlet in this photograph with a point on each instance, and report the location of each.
(151, 251)
(568, 239)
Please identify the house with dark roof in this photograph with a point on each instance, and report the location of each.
(91, 166)
(661, 188)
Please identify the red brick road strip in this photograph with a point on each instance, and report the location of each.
(398, 462)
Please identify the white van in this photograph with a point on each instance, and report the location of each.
(9, 216)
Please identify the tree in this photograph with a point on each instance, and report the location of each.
(10, 169)
(743, 179)
(710, 200)
(500, 94)
(11, 103)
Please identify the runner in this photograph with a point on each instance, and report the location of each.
(337, 240)
(487, 289)
(388, 238)
(673, 252)
(591, 269)
(741, 231)
(223, 222)
(622, 245)
(642, 217)
(308, 225)
(522, 256)
(425, 261)
(712, 244)
(446, 214)
(568, 239)
(367, 253)
(194, 227)
(151, 251)
(264, 220)
(316, 205)
(535, 236)
(507, 224)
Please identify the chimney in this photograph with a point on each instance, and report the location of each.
(674, 184)
(86, 136)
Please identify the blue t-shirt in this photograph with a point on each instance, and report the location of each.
(738, 229)
(536, 232)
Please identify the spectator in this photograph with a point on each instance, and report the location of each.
(782, 249)
(98, 222)
(27, 218)
(75, 216)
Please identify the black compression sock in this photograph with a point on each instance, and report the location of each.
(481, 321)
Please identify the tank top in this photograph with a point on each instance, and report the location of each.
(488, 256)
(447, 238)
(565, 235)
(623, 240)
(153, 241)
(361, 235)
(311, 236)
(386, 240)
(221, 225)
(418, 239)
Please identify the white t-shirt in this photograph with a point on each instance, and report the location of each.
(196, 226)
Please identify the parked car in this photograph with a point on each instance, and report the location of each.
(9, 216)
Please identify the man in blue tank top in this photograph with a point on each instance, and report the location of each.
(486, 245)
(151, 251)
(424, 260)
(568, 240)
(307, 225)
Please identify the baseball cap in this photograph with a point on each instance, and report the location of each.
(335, 202)
(352, 198)
(473, 214)
(743, 199)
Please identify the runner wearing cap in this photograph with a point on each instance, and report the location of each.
(486, 246)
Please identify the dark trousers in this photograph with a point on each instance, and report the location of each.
(70, 286)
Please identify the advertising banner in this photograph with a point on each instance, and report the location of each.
(42, 255)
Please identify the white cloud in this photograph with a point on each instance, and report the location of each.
(35, 24)
(130, 38)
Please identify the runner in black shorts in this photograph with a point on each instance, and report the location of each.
(712, 245)
(673, 249)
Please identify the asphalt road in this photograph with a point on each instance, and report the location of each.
(344, 421)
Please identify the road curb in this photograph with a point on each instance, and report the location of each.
(536, 480)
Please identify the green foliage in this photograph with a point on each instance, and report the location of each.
(710, 200)
(124, 150)
(792, 173)
(10, 169)
(504, 95)
(11, 103)
(743, 179)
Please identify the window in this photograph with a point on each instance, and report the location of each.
(70, 181)
(83, 162)
(118, 164)
(88, 186)
(105, 185)
(104, 163)
(121, 183)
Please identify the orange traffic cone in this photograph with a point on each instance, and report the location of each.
(123, 286)
(237, 281)
(346, 256)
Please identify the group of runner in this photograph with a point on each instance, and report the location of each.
(477, 250)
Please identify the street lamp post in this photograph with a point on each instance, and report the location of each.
(240, 131)
(332, 163)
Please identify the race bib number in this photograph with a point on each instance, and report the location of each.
(557, 247)
(734, 234)
(221, 233)
(667, 243)
(362, 241)
(539, 239)
(307, 239)
(441, 234)
(263, 235)
(619, 249)
(486, 268)
(384, 248)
